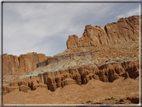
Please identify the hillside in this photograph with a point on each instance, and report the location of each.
(103, 59)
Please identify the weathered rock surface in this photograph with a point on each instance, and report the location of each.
(80, 75)
(24, 85)
(10, 64)
(125, 29)
(133, 69)
(24, 63)
(12, 88)
(51, 83)
(24, 88)
(68, 81)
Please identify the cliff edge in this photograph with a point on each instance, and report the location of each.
(124, 30)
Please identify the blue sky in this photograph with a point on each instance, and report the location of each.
(45, 27)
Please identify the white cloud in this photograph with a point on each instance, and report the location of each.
(131, 12)
(45, 27)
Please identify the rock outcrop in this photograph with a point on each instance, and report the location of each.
(133, 69)
(24, 88)
(24, 85)
(10, 64)
(24, 63)
(81, 75)
(68, 81)
(125, 29)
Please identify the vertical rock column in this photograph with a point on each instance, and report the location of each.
(51, 83)
(76, 75)
(10, 64)
(58, 78)
(45, 76)
(41, 78)
(84, 72)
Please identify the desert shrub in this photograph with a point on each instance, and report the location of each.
(89, 101)
(112, 98)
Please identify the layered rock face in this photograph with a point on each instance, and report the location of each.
(80, 75)
(24, 63)
(24, 85)
(125, 29)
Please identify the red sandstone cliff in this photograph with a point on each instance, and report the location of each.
(125, 29)
(24, 63)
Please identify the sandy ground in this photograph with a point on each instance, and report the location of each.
(92, 92)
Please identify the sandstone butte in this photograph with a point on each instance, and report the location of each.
(125, 29)
(103, 57)
(13, 64)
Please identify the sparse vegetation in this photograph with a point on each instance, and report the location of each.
(82, 103)
(89, 101)
(112, 98)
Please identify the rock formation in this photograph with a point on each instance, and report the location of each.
(24, 85)
(102, 53)
(68, 81)
(125, 29)
(81, 75)
(24, 63)
(10, 64)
